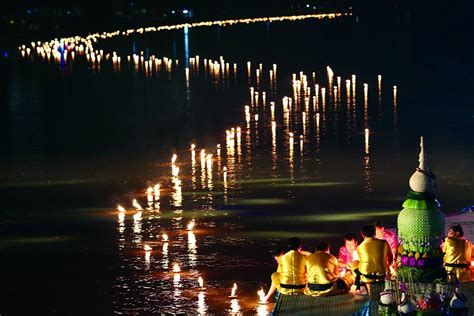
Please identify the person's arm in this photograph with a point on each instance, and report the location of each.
(335, 271)
(389, 254)
(270, 293)
(468, 252)
(342, 258)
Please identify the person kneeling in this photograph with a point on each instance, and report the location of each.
(322, 275)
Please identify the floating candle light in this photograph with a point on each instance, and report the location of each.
(164, 236)
(233, 293)
(149, 193)
(175, 171)
(147, 248)
(173, 158)
(136, 205)
(137, 216)
(191, 225)
(201, 283)
(176, 268)
(261, 297)
(156, 189)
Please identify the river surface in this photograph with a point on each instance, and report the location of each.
(78, 140)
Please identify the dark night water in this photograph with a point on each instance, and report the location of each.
(77, 141)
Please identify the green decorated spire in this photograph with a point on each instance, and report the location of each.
(421, 225)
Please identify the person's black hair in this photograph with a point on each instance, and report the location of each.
(322, 246)
(368, 231)
(457, 229)
(294, 243)
(280, 251)
(378, 224)
(350, 236)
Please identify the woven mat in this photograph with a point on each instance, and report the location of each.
(342, 305)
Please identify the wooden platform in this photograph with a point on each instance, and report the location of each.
(342, 305)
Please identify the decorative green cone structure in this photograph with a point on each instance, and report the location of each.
(420, 229)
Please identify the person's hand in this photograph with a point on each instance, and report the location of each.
(266, 298)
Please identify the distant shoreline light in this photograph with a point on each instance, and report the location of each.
(63, 45)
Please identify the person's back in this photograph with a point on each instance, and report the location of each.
(373, 256)
(322, 273)
(457, 251)
(292, 272)
(321, 268)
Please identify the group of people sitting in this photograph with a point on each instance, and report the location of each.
(322, 274)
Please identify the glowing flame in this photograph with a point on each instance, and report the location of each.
(234, 290)
(156, 189)
(149, 190)
(201, 282)
(191, 225)
(136, 205)
(176, 268)
(147, 248)
(137, 216)
(164, 237)
(120, 208)
(193, 146)
(173, 158)
(261, 295)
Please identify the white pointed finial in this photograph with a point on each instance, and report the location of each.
(422, 180)
(422, 154)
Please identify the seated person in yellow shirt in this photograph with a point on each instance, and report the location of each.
(374, 258)
(277, 254)
(457, 255)
(322, 274)
(292, 269)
